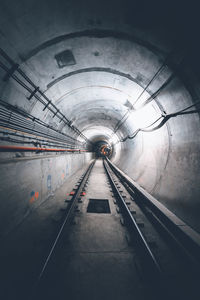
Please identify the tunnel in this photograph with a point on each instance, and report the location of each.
(88, 85)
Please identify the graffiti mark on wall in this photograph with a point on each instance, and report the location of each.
(34, 196)
(49, 182)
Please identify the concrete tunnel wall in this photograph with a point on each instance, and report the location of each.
(31, 182)
(115, 59)
(166, 162)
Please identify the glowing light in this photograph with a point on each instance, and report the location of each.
(144, 117)
(114, 139)
(140, 100)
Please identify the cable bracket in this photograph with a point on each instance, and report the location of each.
(10, 72)
(33, 93)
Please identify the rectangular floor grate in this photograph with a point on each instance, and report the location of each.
(98, 206)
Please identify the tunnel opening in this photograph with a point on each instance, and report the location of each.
(102, 149)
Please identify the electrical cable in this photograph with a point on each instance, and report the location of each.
(164, 118)
(12, 117)
(155, 94)
(51, 107)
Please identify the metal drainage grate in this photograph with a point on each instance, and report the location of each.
(65, 58)
(98, 206)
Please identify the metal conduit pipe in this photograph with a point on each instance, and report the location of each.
(15, 119)
(20, 148)
(57, 112)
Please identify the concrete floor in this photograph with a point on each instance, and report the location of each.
(93, 260)
(24, 250)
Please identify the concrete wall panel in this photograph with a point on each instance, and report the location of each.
(25, 184)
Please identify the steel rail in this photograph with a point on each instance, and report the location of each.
(67, 218)
(188, 245)
(150, 258)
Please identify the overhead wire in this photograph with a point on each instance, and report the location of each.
(165, 118)
(157, 92)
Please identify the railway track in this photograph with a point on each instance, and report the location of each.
(166, 267)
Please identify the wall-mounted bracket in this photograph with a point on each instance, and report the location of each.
(33, 93)
(10, 72)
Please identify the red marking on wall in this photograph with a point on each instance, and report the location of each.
(34, 196)
(32, 199)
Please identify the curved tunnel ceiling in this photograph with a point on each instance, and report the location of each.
(97, 62)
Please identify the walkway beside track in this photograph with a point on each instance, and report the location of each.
(93, 259)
